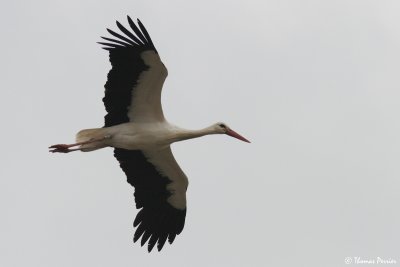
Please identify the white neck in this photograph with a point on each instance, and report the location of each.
(184, 134)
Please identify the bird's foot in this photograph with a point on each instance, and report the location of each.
(62, 148)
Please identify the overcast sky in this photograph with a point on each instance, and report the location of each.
(313, 84)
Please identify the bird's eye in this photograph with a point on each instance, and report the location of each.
(222, 125)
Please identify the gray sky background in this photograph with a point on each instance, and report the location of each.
(313, 84)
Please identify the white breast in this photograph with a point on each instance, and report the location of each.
(141, 136)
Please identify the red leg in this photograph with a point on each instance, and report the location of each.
(64, 148)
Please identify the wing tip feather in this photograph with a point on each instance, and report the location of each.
(140, 37)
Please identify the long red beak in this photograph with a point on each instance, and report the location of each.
(236, 135)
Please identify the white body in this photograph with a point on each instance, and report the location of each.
(140, 136)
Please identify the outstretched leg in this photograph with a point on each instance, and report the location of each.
(64, 148)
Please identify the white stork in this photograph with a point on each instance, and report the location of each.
(135, 126)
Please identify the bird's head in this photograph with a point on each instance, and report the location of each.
(222, 128)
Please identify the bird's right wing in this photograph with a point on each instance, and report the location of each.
(160, 193)
(133, 87)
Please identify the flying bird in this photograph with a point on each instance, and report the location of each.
(136, 128)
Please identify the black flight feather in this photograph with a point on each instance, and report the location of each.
(116, 41)
(146, 34)
(121, 37)
(136, 30)
(128, 33)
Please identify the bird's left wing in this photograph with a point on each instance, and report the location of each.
(160, 193)
(133, 87)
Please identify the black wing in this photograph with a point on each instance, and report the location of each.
(157, 220)
(131, 66)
